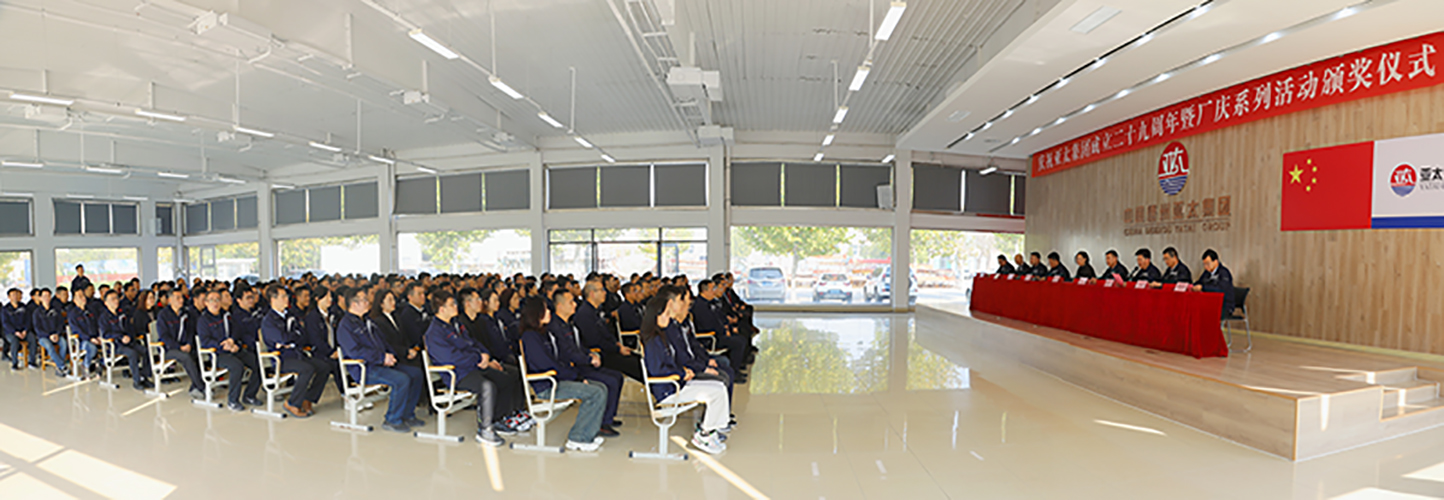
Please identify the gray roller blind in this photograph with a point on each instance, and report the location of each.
(123, 219)
(289, 206)
(223, 214)
(860, 182)
(325, 204)
(681, 185)
(1020, 194)
(987, 194)
(362, 201)
(757, 184)
(811, 185)
(67, 217)
(627, 186)
(198, 218)
(165, 214)
(510, 190)
(97, 218)
(572, 188)
(461, 193)
(416, 196)
(246, 217)
(937, 188)
(15, 217)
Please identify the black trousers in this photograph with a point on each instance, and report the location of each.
(738, 347)
(510, 396)
(135, 355)
(14, 348)
(630, 366)
(486, 401)
(613, 380)
(311, 378)
(187, 361)
(333, 367)
(237, 364)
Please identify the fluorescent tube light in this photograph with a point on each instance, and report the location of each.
(1271, 37)
(582, 141)
(17, 194)
(41, 99)
(283, 187)
(840, 115)
(887, 159)
(817, 157)
(326, 147)
(159, 116)
(387, 161)
(432, 44)
(134, 198)
(103, 170)
(548, 118)
(1210, 59)
(827, 141)
(859, 77)
(173, 175)
(988, 170)
(80, 196)
(500, 85)
(22, 164)
(1094, 20)
(608, 158)
(259, 133)
(229, 180)
(426, 170)
(889, 21)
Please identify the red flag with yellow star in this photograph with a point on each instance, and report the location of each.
(1328, 188)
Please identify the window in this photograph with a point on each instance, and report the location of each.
(463, 193)
(326, 203)
(165, 263)
(806, 184)
(222, 214)
(945, 262)
(15, 217)
(623, 251)
(782, 264)
(954, 190)
(224, 262)
(503, 251)
(198, 218)
(360, 254)
(90, 218)
(15, 270)
(165, 220)
(937, 188)
(1020, 194)
(102, 265)
(627, 186)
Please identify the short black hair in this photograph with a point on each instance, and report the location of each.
(1143, 252)
(1170, 251)
(1084, 255)
(1210, 254)
(1111, 252)
(1003, 257)
(1036, 254)
(275, 290)
(439, 299)
(352, 293)
(1054, 256)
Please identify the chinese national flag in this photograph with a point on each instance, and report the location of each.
(1328, 188)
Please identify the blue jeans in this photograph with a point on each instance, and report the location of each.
(406, 383)
(61, 361)
(589, 413)
(90, 349)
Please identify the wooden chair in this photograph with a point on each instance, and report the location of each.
(664, 416)
(445, 401)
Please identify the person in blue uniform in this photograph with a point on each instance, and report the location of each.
(543, 352)
(1020, 266)
(447, 344)
(597, 335)
(318, 339)
(1085, 266)
(1003, 266)
(82, 325)
(246, 321)
(1114, 267)
(213, 331)
(48, 325)
(1146, 270)
(1176, 272)
(662, 361)
(411, 318)
(587, 364)
(1216, 278)
(283, 332)
(707, 317)
(111, 325)
(629, 312)
(479, 317)
(175, 327)
(80, 283)
(359, 338)
(15, 320)
(1056, 267)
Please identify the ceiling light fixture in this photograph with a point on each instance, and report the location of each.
(1271, 37)
(173, 175)
(582, 141)
(17, 194)
(889, 21)
(134, 198)
(326, 147)
(817, 157)
(387, 161)
(840, 115)
(1121, 94)
(22, 164)
(426, 170)
(80, 196)
(988, 170)
(987, 125)
(431, 43)
(283, 187)
(502, 86)
(1143, 39)
(1345, 12)
(40, 99)
(103, 170)
(888, 158)
(608, 158)
(860, 77)
(1210, 59)
(1094, 20)
(1161, 77)
(827, 140)
(229, 180)
(159, 116)
(548, 118)
(251, 131)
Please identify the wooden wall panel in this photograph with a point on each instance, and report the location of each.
(1379, 288)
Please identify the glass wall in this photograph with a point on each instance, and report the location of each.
(504, 251)
(624, 251)
(165, 263)
(803, 264)
(102, 265)
(225, 262)
(945, 262)
(359, 254)
(15, 270)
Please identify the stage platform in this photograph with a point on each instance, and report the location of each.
(1289, 399)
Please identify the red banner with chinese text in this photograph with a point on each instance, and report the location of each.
(1396, 67)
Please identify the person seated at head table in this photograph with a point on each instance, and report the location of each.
(1145, 271)
(1021, 266)
(1036, 268)
(1056, 268)
(1085, 267)
(1114, 268)
(1216, 278)
(1003, 266)
(1177, 272)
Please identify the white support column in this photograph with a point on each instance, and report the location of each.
(386, 232)
(902, 198)
(42, 256)
(540, 259)
(264, 242)
(147, 254)
(718, 231)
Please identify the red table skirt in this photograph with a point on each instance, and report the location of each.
(1181, 322)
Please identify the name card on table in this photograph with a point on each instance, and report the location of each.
(1011, 276)
(1140, 285)
(1108, 284)
(1082, 281)
(1182, 287)
(1057, 279)
(995, 276)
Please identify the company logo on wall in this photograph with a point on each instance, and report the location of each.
(1403, 179)
(1173, 168)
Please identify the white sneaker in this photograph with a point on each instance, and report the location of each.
(708, 442)
(587, 447)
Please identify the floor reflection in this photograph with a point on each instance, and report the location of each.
(847, 354)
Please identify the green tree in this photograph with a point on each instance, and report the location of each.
(305, 253)
(788, 241)
(443, 249)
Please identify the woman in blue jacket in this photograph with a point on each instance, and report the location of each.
(661, 357)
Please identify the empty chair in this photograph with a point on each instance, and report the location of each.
(1239, 313)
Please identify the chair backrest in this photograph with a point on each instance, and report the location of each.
(646, 388)
(345, 373)
(526, 384)
(1240, 294)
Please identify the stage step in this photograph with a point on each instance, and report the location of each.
(1397, 376)
(1405, 397)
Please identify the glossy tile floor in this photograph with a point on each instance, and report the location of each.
(840, 407)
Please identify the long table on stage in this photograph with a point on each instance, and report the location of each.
(1181, 322)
